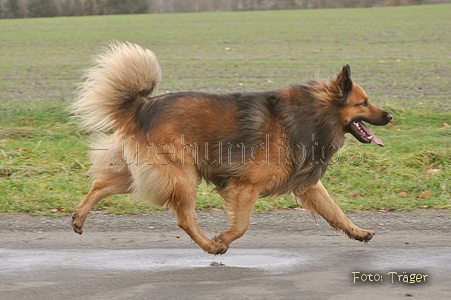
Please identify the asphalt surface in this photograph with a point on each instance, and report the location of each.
(284, 255)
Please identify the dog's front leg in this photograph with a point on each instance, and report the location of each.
(317, 200)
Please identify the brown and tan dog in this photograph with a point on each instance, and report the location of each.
(247, 144)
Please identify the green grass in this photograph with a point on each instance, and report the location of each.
(399, 55)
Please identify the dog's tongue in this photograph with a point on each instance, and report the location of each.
(369, 133)
(377, 141)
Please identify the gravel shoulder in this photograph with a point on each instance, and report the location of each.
(282, 228)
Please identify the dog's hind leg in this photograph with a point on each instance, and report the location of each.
(115, 183)
(178, 187)
(183, 203)
(111, 176)
(317, 200)
(239, 202)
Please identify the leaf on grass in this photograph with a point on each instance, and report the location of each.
(424, 194)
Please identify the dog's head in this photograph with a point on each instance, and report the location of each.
(355, 109)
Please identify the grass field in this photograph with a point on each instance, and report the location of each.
(400, 55)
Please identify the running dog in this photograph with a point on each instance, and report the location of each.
(248, 145)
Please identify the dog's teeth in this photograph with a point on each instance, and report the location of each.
(370, 137)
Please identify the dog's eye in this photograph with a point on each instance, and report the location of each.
(365, 104)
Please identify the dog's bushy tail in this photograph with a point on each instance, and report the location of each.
(115, 85)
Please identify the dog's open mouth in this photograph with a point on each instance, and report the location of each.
(362, 133)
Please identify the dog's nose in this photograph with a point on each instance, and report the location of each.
(389, 117)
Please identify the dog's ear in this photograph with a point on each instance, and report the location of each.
(344, 81)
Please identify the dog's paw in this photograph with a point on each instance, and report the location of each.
(76, 225)
(365, 236)
(218, 239)
(221, 249)
(221, 246)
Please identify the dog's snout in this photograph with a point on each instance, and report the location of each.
(389, 117)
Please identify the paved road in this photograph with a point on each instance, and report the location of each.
(284, 255)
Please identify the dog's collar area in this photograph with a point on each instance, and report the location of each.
(361, 132)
